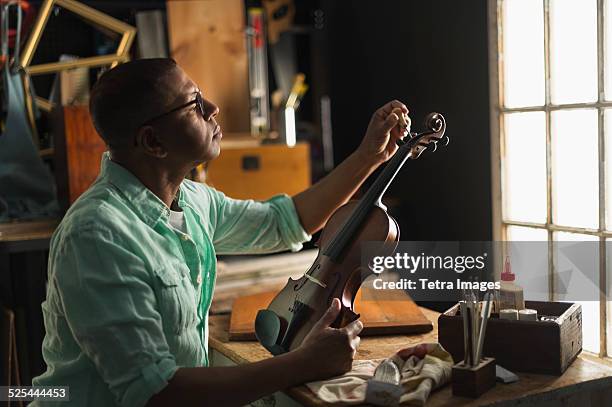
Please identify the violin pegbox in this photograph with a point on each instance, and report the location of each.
(435, 128)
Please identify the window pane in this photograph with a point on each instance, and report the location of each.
(608, 50)
(608, 162)
(523, 53)
(575, 168)
(524, 167)
(527, 251)
(573, 51)
(590, 309)
(523, 234)
(609, 293)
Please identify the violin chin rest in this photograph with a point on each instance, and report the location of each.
(267, 331)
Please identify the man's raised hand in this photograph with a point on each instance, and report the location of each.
(380, 141)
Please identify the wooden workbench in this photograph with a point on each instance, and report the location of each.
(587, 382)
(24, 249)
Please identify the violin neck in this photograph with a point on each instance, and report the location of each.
(371, 198)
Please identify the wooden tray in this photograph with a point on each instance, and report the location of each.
(523, 346)
(396, 315)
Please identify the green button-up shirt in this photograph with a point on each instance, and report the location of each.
(128, 295)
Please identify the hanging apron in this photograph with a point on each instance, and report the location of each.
(27, 189)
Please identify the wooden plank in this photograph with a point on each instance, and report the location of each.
(207, 39)
(379, 317)
(79, 151)
(84, 148)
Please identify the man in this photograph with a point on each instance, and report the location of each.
(132, 265)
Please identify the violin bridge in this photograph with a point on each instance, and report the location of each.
(315, 280)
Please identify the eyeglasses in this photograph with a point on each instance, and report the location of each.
(198, 101)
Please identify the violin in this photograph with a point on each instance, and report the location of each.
(337, 270)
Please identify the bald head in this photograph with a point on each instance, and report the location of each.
(129, 94)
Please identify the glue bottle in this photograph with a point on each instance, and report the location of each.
(510, 294)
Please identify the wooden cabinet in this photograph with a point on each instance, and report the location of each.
(259, 172)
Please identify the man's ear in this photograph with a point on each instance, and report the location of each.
(148, 141)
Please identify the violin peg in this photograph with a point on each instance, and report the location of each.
(404, 120)
(417, 151)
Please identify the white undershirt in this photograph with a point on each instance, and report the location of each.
(177, 220)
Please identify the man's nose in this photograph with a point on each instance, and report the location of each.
(211, 110)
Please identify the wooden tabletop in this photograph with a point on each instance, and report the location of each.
(585, 374)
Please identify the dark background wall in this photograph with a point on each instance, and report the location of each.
(432, 55)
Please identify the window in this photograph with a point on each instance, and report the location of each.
(551, 75)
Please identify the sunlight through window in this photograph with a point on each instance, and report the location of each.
(552, 121)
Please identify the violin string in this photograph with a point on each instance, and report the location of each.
(374, 193)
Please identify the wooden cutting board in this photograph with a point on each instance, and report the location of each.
(396, 315)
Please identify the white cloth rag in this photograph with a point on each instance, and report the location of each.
(423, 368)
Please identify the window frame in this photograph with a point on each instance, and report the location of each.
(497, 112)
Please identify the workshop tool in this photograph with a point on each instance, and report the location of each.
(258, 72)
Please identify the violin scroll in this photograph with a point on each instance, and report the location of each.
(435, 122)
(435, 126)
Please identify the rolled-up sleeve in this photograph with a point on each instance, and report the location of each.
(110, 307)
(247, 226)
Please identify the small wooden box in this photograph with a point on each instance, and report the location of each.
(473, 381)
(261, 171)
(525, 346)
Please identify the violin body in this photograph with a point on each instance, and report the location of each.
(301, 303)
(337, 271)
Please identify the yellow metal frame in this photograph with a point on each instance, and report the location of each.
(89, 14)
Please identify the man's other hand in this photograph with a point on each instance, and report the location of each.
(328, 351)
(380, 141)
